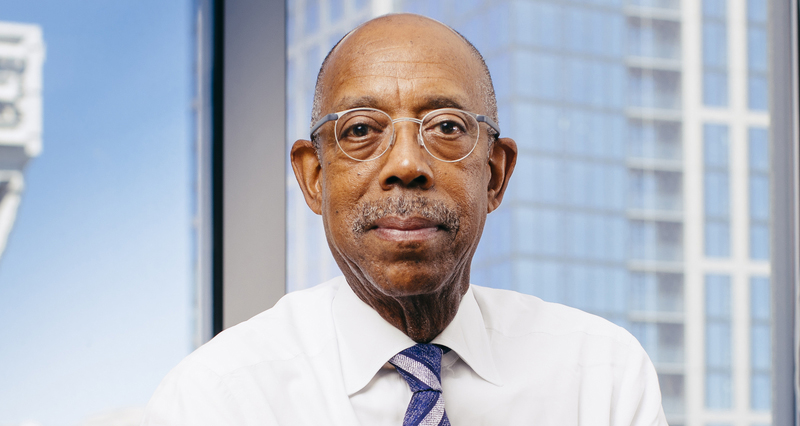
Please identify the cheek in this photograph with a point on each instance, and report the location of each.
(342, 189)
(468, 189)
(465, 191)
(335, 199)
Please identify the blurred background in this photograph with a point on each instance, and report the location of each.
(641, 192)
(95, 278)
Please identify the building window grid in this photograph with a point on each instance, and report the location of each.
(651, 192)
(574, 131)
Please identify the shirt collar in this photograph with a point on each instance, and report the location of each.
(367, 341)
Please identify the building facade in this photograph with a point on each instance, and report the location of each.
(21, 60)
(641, 192)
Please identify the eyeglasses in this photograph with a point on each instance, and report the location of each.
(448, 134)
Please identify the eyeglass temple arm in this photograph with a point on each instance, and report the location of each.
(487, 120)
(330, 117)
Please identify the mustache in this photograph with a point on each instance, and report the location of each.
(435, 211)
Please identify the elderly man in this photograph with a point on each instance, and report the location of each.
(404, 163)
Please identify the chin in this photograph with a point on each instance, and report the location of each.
(402, 282)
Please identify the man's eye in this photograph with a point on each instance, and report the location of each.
(356, 131)
(449, 127)
(359, 130)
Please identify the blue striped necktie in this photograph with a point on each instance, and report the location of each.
(420, 366)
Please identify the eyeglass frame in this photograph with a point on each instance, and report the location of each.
(336, 115)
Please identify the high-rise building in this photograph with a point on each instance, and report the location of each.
(21, 60)
(641, 191)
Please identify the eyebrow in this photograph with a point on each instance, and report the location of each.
(351, 102)
(436, 102)
(428, 103)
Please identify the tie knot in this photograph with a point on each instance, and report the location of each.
(420, 365)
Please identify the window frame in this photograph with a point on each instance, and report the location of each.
(785, 181)
(240, 139)
(240, 227)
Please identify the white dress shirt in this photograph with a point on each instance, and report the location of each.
(319, 357)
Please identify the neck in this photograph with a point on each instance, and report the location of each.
(421, 317)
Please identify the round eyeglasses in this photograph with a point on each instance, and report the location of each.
(448, 134)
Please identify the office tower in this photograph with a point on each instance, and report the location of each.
(641, 191)
(21, 59)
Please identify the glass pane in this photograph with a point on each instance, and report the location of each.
(95, 274)
(612, 172)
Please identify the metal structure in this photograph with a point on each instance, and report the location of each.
(21, 59)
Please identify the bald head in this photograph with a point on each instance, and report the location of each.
(415, 32)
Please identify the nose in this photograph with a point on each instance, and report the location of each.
(407, 164)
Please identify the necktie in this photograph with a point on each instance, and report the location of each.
(420, 366)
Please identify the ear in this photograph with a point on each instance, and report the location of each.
(307, 171)
(502, 158)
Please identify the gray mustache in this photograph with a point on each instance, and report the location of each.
(435, 211)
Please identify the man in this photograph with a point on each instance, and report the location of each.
(404, 163)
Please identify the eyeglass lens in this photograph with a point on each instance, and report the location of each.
(448, 134)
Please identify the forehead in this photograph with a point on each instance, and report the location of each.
(403, 64)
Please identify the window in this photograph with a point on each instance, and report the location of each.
(757, 92)
(759, 193)
(715, 57)
(718, 342)
(654, 89)
(715, 88)
(757, 55)
(655, 39)
(760, 353)
(716, 190)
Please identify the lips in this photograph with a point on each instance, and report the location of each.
(393, 228)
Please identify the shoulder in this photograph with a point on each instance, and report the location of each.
(237, 374)
(512, 314)
(548, 343)
(299, 323)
